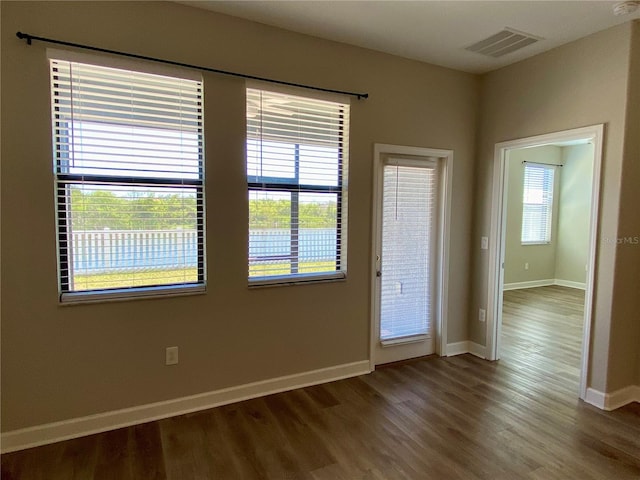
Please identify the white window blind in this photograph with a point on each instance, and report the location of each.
(128, 157)
(408, 218)
(537, 204)
(297, 153)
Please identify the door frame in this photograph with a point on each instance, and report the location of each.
(498, 230)
(441, 288)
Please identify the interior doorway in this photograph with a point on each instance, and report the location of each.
(543, 255)
(410, 255)
(548, 200)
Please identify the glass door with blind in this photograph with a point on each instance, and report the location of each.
(407, 212)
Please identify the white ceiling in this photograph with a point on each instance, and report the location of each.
(431, 31)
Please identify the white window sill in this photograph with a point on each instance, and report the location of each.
(135, 293)
(301, 279)
(524, 244)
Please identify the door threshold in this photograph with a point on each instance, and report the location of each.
(407, 361)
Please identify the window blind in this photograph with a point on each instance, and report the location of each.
(297, 155)
(128, 153)
(408, 218)
(537, 203)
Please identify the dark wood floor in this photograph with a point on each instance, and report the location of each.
(440, 418)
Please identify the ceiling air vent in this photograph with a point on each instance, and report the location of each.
(506, 41)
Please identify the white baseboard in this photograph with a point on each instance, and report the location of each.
(531, 284)
(595, 398)
(544, 283)
(457, 348)
(613, 400)
(570, 284)
(477, 350)
(78, 427)
(467, 346)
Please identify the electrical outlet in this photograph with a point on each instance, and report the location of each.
(171, 356)
(484, 243)
(482, 315)
(526, 266)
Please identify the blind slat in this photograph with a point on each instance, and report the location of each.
(537, 203)
(296, 165)
(407, 220)
(129, 165)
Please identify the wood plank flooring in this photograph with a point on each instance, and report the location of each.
(435, 418)
(542, 330)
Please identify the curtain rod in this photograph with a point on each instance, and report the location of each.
(30, 38)
(545, 164)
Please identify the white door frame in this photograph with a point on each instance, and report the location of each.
(441, 290)
(498, 227)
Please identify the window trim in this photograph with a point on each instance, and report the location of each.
(62, 181)
(271, 184)
(133, 293)
(299, 279)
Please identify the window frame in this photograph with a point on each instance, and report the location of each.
(291, 185)
(548, 202)
(64, 180)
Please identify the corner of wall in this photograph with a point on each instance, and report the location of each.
(624, 354)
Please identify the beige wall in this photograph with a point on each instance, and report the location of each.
(633, 135)
(625, 331)
(574, 215)
(582, 83)
(541, 258)
(567, 254)
(62, 362)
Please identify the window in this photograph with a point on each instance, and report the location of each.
(537, 204)
(297, 151)
(128, 162)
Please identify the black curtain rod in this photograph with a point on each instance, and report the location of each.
(547, 164)
(30, 38)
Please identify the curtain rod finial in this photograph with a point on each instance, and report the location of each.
(22, 36)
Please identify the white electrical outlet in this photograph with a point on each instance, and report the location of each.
(171, 356)
(526, 266)
(484, 243)
(482, 315)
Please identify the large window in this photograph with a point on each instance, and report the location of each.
(537, 204)
(128, 153)
(297, 150)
